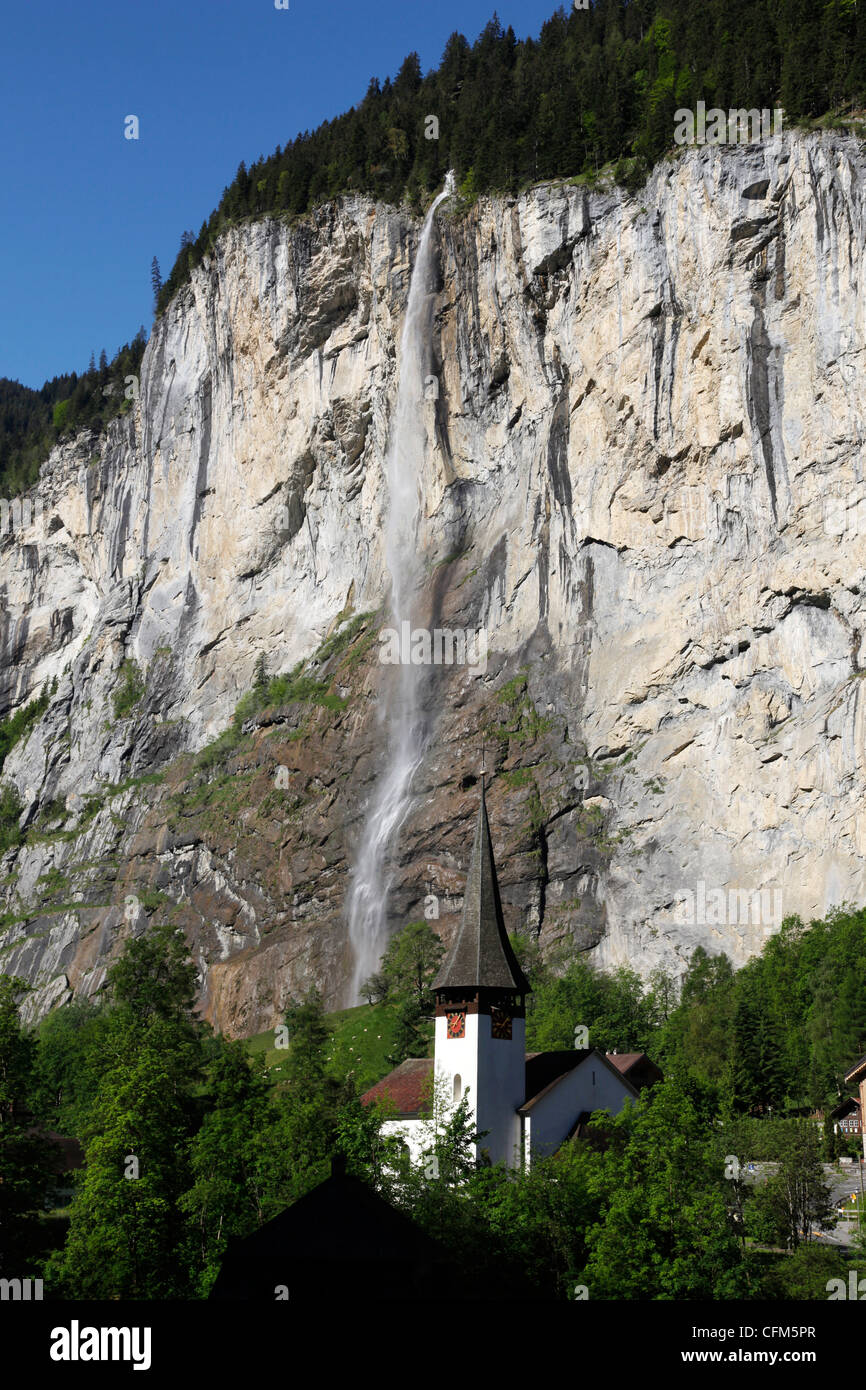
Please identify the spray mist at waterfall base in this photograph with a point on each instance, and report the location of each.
(402, 718)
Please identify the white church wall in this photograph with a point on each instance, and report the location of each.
(502, 1089)
(493, 1070)
(590, 1086)
(457, 1057)
(412, 1132)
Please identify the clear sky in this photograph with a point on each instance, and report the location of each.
(84, 210)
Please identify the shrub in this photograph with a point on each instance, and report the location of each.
(130, 691)
(10, 814)
(13, 729)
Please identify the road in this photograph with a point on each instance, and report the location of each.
(842, 1180)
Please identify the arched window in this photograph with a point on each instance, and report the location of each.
(458, 1087)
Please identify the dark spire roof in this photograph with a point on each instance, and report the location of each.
(481, 956)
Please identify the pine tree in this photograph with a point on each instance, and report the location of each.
(156, 282)
(260, 679)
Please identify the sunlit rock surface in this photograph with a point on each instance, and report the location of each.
(646, 486)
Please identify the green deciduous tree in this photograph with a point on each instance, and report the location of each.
(307, 1104)
(65, 1072)
(25, 1157)
(795, 1200)
(230, 1156)
(666, 1230)
(404, 983)
(128, 1237)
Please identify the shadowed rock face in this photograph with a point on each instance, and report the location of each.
(645, 486)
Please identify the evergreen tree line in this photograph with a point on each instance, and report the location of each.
(773, 1038)
(597, 85)
(32, 422)
(189, 1142)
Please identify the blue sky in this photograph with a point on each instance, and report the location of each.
(84, 210)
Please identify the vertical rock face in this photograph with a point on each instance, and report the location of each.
(646, 487)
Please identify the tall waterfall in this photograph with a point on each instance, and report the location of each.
(400, 708)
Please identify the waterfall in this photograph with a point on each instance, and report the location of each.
(400, 707)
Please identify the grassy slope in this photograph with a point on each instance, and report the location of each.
(360, 1042)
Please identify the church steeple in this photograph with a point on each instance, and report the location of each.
(481, 957)
(480, 1010)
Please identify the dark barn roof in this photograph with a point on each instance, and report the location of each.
(481, 956)
(545, 1069)
(340, 1236)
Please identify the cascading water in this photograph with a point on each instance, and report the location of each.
(401, 706)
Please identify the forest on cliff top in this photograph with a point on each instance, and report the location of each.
(598, 87)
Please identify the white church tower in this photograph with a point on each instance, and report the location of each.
(480, 1047)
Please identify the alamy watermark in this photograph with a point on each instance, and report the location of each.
(19, 515)
(845, 516)
(713, 907)
(856, 1290)
(718, 127)
(77, 1343)
(21, 1290)
(442, 646)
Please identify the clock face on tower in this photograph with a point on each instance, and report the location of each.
(500, 1024)
(457, 1024)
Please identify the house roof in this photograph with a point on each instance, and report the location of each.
(545, 1070)
(624, 1061)
(857, 1071)
(481, 956)
(845, 1107)
(406, 1086)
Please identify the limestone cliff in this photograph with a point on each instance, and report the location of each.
(645, 487)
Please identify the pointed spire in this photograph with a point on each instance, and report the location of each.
(481, 956)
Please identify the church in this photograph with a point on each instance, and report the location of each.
(521, 1104)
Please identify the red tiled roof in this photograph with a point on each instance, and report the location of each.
(407, 1086)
